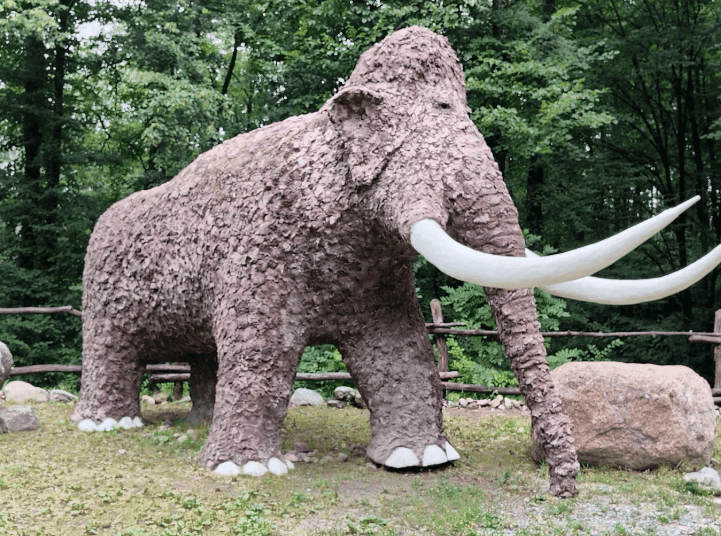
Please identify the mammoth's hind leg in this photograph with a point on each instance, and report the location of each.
(112, 373)
(391, 361)
(258, 354)
(203, 377)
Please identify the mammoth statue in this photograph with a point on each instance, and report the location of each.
(303, 232)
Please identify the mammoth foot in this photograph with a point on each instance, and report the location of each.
(88, 425)
(403, 457)
(274, 466)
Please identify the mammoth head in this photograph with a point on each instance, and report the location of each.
(412, 145)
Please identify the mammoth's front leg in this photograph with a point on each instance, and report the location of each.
(391, 361)
(519, 331)
(258, 353)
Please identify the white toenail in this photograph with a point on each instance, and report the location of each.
(107, 425)
(451, 452)
(126, 422)
(227, 469)
(87, 425)
(277, 467)
(402, 457)
(434, 455)
(254, 469)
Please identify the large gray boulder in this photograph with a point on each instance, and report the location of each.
(21, 392)
(6, 363)
(635, 416)
(18, 419)
(306, 397)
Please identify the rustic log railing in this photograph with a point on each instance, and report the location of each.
(180, 373)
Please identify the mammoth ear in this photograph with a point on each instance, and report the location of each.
(357, 114)
(354, 105)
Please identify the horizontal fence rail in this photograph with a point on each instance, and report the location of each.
(177, 373)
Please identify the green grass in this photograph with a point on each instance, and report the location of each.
(142, 482)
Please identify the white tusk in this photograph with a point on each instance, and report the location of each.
(631, 291)
(461, 262)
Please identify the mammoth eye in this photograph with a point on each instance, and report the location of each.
(443, 105)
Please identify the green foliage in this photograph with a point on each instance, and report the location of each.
(322, 358)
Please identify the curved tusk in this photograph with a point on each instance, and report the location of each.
(461, 262)
(631, 291)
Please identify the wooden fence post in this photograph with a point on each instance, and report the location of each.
(178, 388)
(717, 351)
(440, 339)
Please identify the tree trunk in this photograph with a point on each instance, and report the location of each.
(34, 107)
(534, 209)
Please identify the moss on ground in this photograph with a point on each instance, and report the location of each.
(142, 482)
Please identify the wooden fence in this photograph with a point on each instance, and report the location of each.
(181, 373)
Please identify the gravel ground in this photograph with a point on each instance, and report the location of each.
(611, 514)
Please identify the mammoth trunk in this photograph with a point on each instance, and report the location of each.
(518, 328)
(519, 332)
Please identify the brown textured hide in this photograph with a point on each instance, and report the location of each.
(299, 233)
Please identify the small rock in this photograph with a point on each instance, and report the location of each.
(145, 399)
(346, 394)
(176, 435)
(312, 459)
(452, 404)
(121, 451)
(463, 402)
(301, 447)
(484, 402)
(496, 401)
(371, 465)
(191, 433)
(516, 404)
(342, 457)
(18, 391)
(358, 401)
(6, 363)
(302, 457)
(160, 397)
(162, 439)
(58, 395)
(306, 397)
(183, 438)
(706, 478)
(185, 399)
(508, 403)
(19, 419)
(333, 403)
(291, 457)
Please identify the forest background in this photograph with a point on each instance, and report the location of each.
(600, 113)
